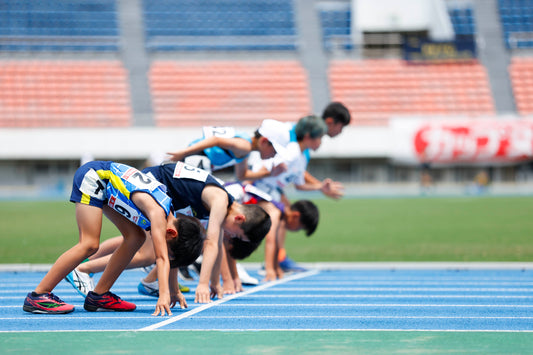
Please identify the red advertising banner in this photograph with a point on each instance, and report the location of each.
(463, 141)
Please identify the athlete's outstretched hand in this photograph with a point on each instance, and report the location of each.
(332, 189)
(202, 294)
(163, 306)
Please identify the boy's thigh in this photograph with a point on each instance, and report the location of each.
(125, 226)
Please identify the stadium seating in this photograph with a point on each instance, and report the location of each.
(336, 31)
(35, 25)
(517, 21)
(219, 25)
(378, 89)
(462, 18)
(63, 94)
(521, 72)
(228, 92)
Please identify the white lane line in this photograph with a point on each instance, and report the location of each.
(356, 317)
(337, 305)
(418, 305)
(229, 298)
(373, 295)
(402, 289)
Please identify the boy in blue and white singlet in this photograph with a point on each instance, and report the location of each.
(192, 187)
(135, 203)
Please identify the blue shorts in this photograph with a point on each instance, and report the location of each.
(87, 187)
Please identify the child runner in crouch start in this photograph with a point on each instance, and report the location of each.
(195, 188)
(134, 202)
(222, 147)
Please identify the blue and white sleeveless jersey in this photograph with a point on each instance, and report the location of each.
(99, 182)
(217, 157)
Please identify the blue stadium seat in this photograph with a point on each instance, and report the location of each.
(462, 19)
(58, 25)
(517, 21)
(336, 29)
(219, 25)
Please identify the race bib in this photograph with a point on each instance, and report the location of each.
(125, 207)
(223, 132)
(139, 180)
(184, 171)
(199, 161)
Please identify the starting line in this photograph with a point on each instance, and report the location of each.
(229, 298)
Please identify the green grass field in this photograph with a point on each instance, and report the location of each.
(382, 229)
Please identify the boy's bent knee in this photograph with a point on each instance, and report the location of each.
(89, 248)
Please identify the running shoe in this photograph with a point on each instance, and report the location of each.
(262, 271)
(149, 268)
(196, 267)
(246, 279)
(183, 273)
(107, 302)
(152, 288)
(81, 281)
(45, 303)
(288, 265)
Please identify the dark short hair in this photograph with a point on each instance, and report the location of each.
(308, 215)
(188, 246)
(338, 112)
(311, 125)
(239, 249)
(257, 223)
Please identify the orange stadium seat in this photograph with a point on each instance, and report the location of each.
(377, 89)
(228, 92)
(521, 72)
(64, 94)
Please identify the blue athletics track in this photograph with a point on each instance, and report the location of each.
(331, 309)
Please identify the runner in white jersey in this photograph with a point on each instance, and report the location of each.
(309, 132)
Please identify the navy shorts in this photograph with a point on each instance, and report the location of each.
(87, 187)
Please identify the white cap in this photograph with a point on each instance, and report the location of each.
(278, 133)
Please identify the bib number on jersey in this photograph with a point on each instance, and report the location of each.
(184, 171)
(223, 132)
(140, 180)
(127, 211)
(199, 161)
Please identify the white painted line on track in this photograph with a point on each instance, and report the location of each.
(405, 305)
(355, 317)
(229, 298)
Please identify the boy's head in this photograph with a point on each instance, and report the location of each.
(272, 137)
(312, 129)
(336, 116)
(303, 215)
(187, 247)
(246, 229)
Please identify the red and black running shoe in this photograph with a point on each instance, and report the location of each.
(106, 302)
(45, 303)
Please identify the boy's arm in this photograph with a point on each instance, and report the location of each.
(238, 146)
(243, 173)
(232, 264)
(175, 294)
(225, 273)
(217, 201)
(158, 221)
(271, 247)
(330, 188)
